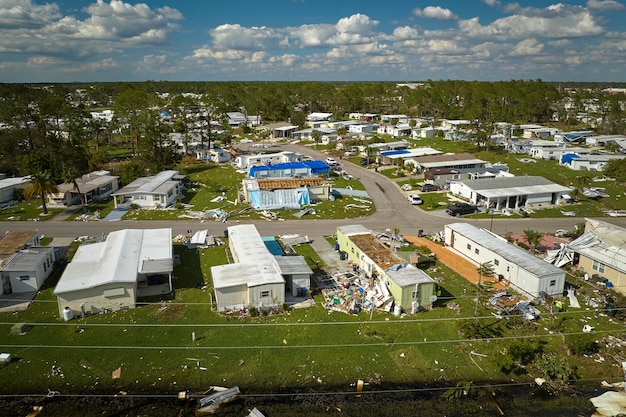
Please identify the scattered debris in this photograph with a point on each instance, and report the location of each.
(587, 328)
(116, 374)
(36, 410)
(609, 404)
(219, 396)
(86, 217)
(304, 212)
(351, 293)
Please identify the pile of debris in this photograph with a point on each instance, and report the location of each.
(86, 217)
(513, 305)
(351, 293)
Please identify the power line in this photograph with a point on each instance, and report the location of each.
(325, 323)
(52, 393)
(286, 346)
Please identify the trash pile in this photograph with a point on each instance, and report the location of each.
(351, 293)
(513, 305)
(86, 217)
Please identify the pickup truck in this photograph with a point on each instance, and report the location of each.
(458, 209)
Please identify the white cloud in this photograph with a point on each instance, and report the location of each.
(355, 29)
(154, 59)
(558, 21)
(405, 33)
(435, 12)
(527, 47)
(235, 36)
(24, 14)
(604, 5)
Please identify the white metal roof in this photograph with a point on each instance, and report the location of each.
(123, 255)
(354, 229)
(14, 181)
(513, 254)
(159, 183)
(512, 186)
(407, 274)
(256, 266)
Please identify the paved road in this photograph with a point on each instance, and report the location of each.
(392, 210)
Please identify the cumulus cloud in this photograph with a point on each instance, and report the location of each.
(235, 36)
(604, 5)
(435, 12)
(557, 21)
(405, 33)
(24, 14)
(355, 29)
(527, 47)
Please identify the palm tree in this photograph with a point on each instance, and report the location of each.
(41, 185)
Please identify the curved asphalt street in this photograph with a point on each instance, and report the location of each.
(392, 210)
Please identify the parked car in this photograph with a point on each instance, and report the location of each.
(415, 199)
(458, 209)
(426, 188)
(331, 162)
(364, 161)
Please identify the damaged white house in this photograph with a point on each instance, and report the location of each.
(600, 251)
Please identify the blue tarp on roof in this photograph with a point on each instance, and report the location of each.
(391, 153)
(568, 157)
(316, 167)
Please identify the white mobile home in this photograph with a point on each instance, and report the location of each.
(256, 278)
(161, 190)
(525, 272)
(246, 161)
(26, 270)
(510, 192)
(110, 275)
(9, 185)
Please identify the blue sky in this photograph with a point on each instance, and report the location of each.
(306, 40)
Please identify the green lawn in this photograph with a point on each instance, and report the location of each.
(303, 349)
(27, 210)
(214, 181)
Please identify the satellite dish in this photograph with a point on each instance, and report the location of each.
(433, 298)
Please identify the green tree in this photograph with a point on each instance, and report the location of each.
(533, 238)
(616, 168)
(41, 185)
(485, 269)
(69, 176)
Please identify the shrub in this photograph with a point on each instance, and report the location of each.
(555, 366)
(581, 345)
(474, 329)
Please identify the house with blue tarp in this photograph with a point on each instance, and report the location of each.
(301, 169)
(284, 193)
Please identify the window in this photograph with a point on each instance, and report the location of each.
(496, 262)
(598, 266)
(24, 278)
(469, 246)
(476, 251)
(507, 269)
(553, 283)
(265, 294)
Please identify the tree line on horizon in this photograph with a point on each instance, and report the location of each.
(48, 127)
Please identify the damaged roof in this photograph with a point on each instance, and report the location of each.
(377, 251)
